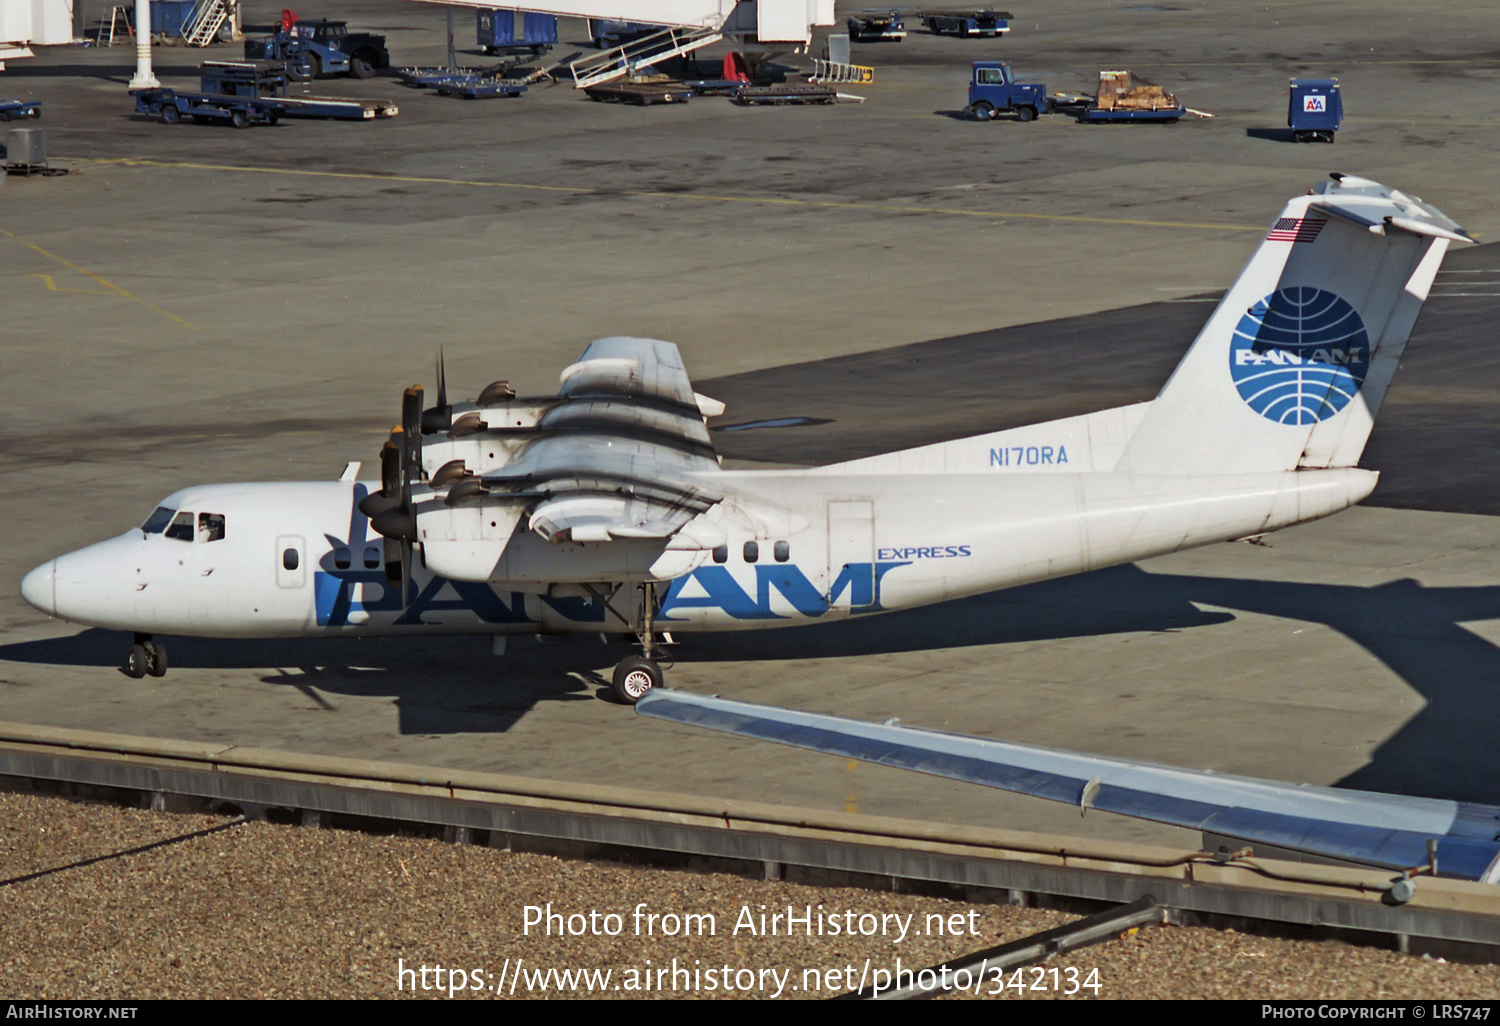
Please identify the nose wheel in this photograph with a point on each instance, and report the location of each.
(146, 656)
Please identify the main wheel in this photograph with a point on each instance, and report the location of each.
(982, 111)
(170, 115)
(239, 119)
(138, 663)
(633, 678)
(156, 659)
(1025, 113)
(361, 66)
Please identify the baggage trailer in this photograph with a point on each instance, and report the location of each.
(987, 23)
(784, 95)
(1315, 109)
(244, 93)
(471, 87)
(877, 28)
(11, 110)
(1125, 97)
(640, 93)
(993, 90)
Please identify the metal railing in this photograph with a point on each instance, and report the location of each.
(202, 26)
(640, 53)
(842, 74)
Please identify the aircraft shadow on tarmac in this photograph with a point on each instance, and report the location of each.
(453, 685)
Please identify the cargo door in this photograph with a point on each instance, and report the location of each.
(851, 553)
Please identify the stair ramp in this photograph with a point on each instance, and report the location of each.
(202, 26)
(639, 53)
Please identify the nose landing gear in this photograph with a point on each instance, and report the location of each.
(146, 656)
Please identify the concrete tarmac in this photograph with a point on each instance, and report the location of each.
(196, 304)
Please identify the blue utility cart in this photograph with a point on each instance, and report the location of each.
(1315, 109)
(20, 109)
(987, 22)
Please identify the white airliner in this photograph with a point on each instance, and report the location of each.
(603, 509)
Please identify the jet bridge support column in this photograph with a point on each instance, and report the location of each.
(144, 77)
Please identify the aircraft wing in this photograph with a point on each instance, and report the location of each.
(618, 456)
(1363, 827)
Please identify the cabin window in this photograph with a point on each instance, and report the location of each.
(990, 76)
(783, 552)
(752, 552)
(721, 554)
(290, 560)
(157, 522)
(341, 559)
(372, 557)
(210, 527)
(181, 527)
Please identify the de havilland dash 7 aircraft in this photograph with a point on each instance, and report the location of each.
(604, 508)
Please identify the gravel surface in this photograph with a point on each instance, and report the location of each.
(260, 910)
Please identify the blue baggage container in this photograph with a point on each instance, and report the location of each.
(497, 30)
(1315, 109)
(169, 16)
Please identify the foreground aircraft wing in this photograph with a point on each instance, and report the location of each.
(1390, 831)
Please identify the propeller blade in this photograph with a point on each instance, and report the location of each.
(390, 468)
(439, 417)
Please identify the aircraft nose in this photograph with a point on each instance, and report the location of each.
(40, 587)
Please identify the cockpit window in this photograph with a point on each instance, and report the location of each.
(210, 526)
(158, 520)
(181, 527)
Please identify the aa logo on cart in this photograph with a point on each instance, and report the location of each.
(1299, 355)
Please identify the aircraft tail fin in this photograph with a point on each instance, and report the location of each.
(1291, 368)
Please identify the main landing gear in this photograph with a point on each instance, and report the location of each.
(146, 656)
(638, 674)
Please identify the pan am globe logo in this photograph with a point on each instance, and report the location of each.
(1299, 355)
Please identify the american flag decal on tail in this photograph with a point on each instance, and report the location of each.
(1296, 229)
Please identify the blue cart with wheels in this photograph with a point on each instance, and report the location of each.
(1315, 109)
